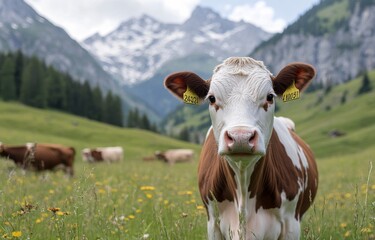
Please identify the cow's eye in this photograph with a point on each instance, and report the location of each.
(270, 97)
(212, 99)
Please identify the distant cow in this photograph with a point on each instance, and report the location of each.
(40, 156)
(256, 177)
(102, 154)
(175, 155)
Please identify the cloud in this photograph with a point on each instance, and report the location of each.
(258, 14)
(85, 17)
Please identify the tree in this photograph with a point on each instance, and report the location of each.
(145, 123)
(7, 85)
(366, 85)
(33, 87)
(97, 99)
(112, 110)
(18, 72)
(56, 94)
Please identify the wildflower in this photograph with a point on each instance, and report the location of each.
(138, 211)
(5, 235)
(39, 220)
(131, 216)
(166, 202)
(145, 236)
(347, 234)
(200, 207)
(101, 191)
(53, 209)
(51, 191)
(343, 225)
(347, 195)
(147, 188)
(148, 195)
(17, 234)
(365, 230)
(139, 200)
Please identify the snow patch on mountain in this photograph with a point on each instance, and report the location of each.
(140, 46)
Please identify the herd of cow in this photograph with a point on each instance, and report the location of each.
(41, 156)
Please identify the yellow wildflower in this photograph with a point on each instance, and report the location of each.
(366, 230)
(148, 195)
(39, 220)
(343, 225)
(17, 234)
(101, 191)
(347, 234)
(200, 207)
(131, 216)
(147, 188)
(59, 213)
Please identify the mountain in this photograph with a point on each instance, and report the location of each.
(22, 28)
(139, 47)
(336, 36)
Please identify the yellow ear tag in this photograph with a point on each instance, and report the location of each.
(190, 97)
(291, 93)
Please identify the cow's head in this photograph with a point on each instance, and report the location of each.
(241, 96)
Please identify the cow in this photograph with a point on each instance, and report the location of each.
(256, 177)
(40, 156)
(103, 154)
(173, 156)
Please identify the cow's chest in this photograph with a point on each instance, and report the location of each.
(274, 223)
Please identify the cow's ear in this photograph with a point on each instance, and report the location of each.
(181, 83)
(298, 73)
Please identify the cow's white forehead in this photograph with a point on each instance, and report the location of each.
(241, 74)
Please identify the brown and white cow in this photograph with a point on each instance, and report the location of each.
(256, 176)
(40, 156)
(173, 156)
(103, 154)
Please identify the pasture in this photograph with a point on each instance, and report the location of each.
(151, 200)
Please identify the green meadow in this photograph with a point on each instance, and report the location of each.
(137, 199)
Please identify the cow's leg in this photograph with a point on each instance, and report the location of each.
(213, 223)
(292, 229)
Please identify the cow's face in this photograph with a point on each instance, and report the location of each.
(241, 96)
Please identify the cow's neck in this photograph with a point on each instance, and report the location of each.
(243, 169)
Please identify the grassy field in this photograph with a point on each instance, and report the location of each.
(150, 200)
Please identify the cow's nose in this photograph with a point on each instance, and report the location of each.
(240, 139)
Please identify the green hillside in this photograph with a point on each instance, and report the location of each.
(315, 115)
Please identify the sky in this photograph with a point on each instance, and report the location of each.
(83, 18)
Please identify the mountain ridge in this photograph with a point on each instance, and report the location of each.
(137, 48)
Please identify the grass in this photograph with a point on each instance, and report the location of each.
(150, 200)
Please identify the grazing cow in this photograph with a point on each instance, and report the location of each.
(102, 154)
(40, 156)
(256, 177)
(173, 156)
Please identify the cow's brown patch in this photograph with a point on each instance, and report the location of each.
(308, 195)
(273, 174)
(215, 177)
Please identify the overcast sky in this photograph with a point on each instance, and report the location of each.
(82, 18)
